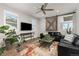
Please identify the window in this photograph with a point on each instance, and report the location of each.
(68, 22)
(67, 25)
(11, 19)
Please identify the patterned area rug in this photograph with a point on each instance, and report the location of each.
(33, 48)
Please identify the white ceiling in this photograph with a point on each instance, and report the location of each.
(32, 8)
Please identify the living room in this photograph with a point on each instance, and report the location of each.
(39, 29)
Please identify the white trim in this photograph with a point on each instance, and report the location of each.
(12, 13)
(68, 15)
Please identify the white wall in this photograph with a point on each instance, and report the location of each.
(42, 25)
(36, 27)
(1, 15)
(60, 20)
(59, 24)
(21, 18)
(76, 21)
(25, 19)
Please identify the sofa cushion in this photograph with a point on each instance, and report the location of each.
(47, 38)
(76, 41)
(69, 37)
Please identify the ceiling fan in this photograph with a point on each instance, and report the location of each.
(43, 8)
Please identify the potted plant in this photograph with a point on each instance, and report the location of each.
(11, 38)
(9, 35)
(3, 28)
(2, 36)
(3, 31)
(2, 50)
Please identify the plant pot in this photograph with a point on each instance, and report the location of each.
(8, 45)
(2, 42)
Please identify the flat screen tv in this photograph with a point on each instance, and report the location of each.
(26, 26)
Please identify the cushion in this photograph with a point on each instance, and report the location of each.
(69, 37)
(45, 33)
(76, 41)
(47, 38)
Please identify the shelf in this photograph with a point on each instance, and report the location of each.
(27, 36)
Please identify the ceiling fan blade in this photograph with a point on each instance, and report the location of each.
(48, 9)
(44, 12)
(45, 5)
(42, 7)
(38, 11)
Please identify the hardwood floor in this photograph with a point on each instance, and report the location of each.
(36, 51)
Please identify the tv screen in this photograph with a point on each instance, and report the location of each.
(26, 26)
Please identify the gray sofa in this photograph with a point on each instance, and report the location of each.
(66, 48)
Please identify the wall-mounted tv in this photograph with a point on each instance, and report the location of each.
(26, 26)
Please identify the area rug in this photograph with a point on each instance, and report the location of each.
(35, 50)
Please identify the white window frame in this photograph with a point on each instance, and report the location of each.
(12, 13)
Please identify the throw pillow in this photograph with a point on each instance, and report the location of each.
(69, 37)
